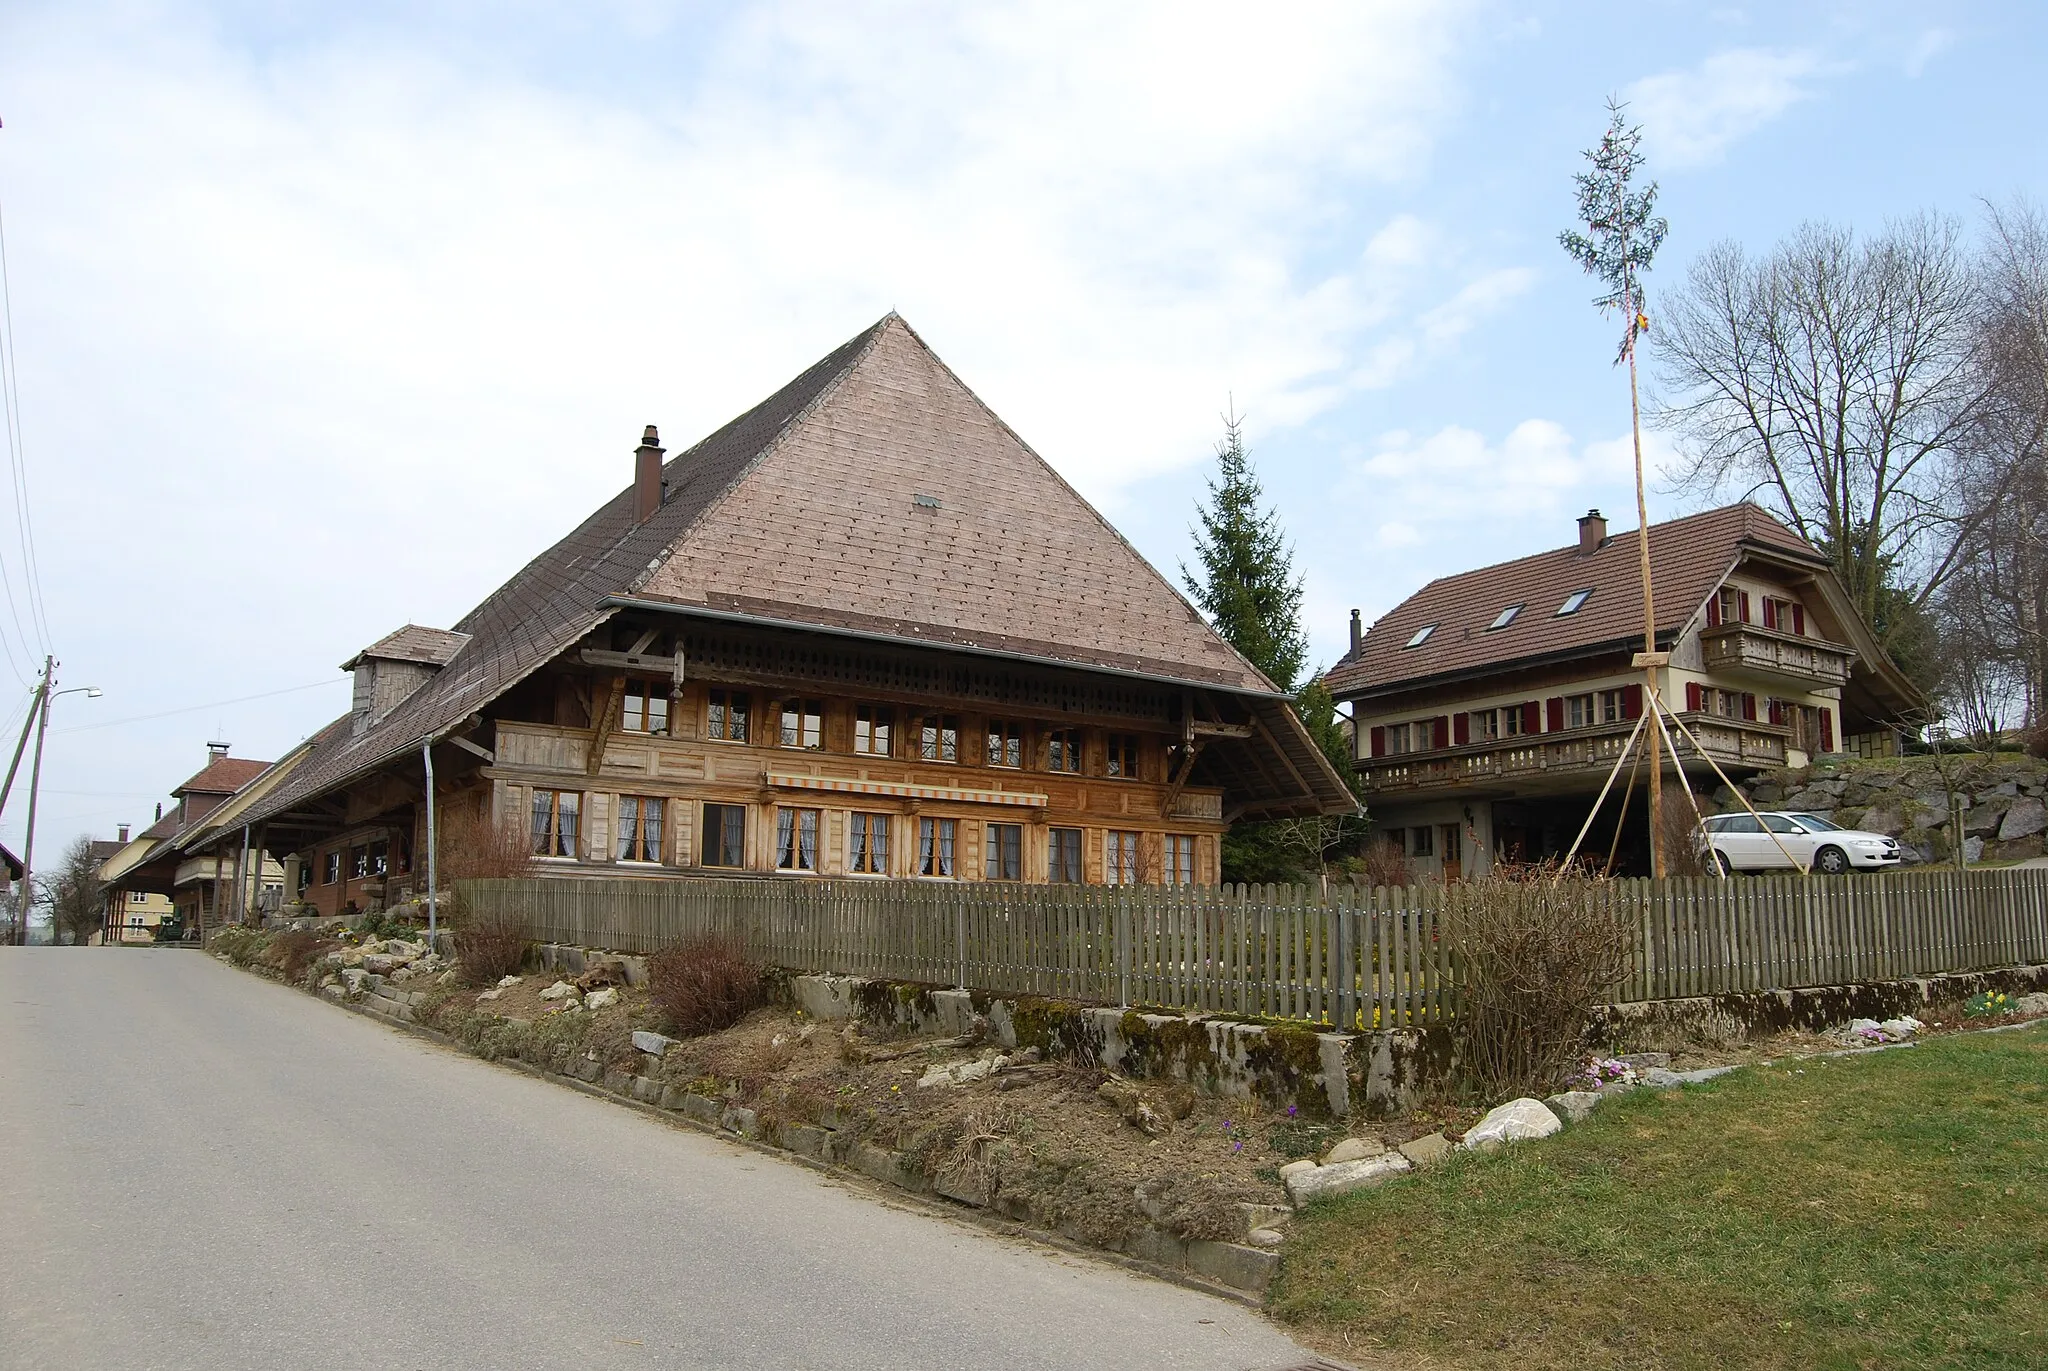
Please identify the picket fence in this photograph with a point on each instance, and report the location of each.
(1356, 958)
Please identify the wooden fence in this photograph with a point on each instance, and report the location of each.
(1360, 958)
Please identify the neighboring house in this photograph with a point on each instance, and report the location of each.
(10, 886)
(862, 629)
(153, 865)
(1489, 707)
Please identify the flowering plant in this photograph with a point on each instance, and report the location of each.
(1987, 1003)
(1605, 1071)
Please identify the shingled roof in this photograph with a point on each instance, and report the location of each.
(1689, 557)
(875, 493)
(413, 643)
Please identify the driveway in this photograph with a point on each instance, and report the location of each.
(199, 1168)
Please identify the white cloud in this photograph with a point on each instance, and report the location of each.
(1690, 117)
(1926, 48)
(1456, 477)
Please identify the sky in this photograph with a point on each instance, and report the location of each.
(325, 319)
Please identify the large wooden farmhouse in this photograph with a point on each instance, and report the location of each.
(861, 630)
(1489, 707)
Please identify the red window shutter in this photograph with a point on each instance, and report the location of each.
(1554, 706)
(1827, 730)
(1777, 711)
(1440, 734)
(1461, 725)
(1532, 718)
(1742, 598)
(1799, 619)
(1770, 612)
(1714, 610)
(1692, 697)
(1632, 702)
(1379, 741)
(1749, 708)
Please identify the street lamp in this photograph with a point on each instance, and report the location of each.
(35, 781)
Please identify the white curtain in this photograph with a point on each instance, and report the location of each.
(807, 839)
(785, 829)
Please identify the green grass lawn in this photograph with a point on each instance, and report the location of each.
(1864, 1212)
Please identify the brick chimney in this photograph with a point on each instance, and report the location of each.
(215, 751)
(647, 476)
(1592, 531)
(124, 833)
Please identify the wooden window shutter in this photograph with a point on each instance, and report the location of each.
(1714, 610)
(1379, 741)
(1799, 619)
(1742, 598)
(1532, 720)
(1554, 707)
(1749, 707)
(1692, 697)
(1776, 708)
(1770, 612)
(1461, 728)
(1827, 730)
(1440, 731)
(1632, 702)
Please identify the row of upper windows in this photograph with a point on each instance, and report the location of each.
(363, 861)
(1570, 605)
(1584, 710)
(883, 731)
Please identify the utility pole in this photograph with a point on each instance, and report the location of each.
(35, 780)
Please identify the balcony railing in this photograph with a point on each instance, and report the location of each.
(1767, 652)
(1578, 752)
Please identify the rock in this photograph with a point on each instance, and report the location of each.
(1353, 1149)
(1658, 1078)
(653, 1044)
(1324, 1182)
(960, 1073)
(1985, 815)
(1973, 850)
(1573, 1106)
(601, 999)
(1257, 1216)
(1932, 807)
(2023, 820)
(1265, 1237)
(1703, 1074)
(355, 978)
(1881, 820)
(1643, 1061)
(490, 994)
(382, 963)
(2036, 1003)
(1515, 1121)
(1426, 1150)
(1293, 1169)
(1900, 1029)
(610, 971)
(560, 990)
(507, 982)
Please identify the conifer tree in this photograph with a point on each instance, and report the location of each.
(1247, 585)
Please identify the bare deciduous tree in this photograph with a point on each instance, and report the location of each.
(73, 895)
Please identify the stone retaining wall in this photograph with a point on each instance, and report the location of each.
(2003, 801)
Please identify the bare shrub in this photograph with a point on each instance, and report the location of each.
(293, 950)
(1535, 955)
(473, 846)
(704, 984)
(1682, 856)
(1387, 864)
(489, 947)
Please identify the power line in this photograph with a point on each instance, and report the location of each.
(194, 709)
(10, 391)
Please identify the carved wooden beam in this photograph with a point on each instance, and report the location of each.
(476, 750)
(1181, 774)
(614, 701)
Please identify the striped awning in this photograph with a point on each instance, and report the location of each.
(906, 791)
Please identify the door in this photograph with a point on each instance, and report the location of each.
(1796, 840)
(1739, 838)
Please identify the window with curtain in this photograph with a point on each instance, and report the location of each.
(796, 840)
(639, 828)
(1120, 858)
(1005, 743)
(868, 844)
(1005, 852)
(874, 727)
(1063, 750)
(803, 723)
(725, 835)
(935, 838)
(938, 738)
(1180, 859)
(555, 816)
(330, 874)
(1122, 759)
(726, 718)
(646, 708)
(1063, 856)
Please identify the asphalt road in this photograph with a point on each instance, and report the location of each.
(199, 1168)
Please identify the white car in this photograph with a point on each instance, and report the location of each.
(1761, 842)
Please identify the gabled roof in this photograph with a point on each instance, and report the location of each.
(234, 812)
(413, 643)
(873, 493)
(222, 776)
(1689, 557)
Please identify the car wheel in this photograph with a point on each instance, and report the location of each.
(1831, 861)
(1727, 867)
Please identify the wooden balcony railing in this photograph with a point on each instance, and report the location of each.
(1574, 752)
(1806, 662)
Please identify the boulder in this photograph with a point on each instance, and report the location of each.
(560, 990)
(1325, 1182)
(1427, 1149)
(1660, 1078)
(507, 982)
(601, 999)
(608, 972)
(653, 1044)
(1353, 1149)
(1986, 815)
(2023, 820)
(2037, 1003)
(490, 994)
(1882, 820)
(1573, 1106)
(1515, 1121)
(1973, 850)
(1293, 1169)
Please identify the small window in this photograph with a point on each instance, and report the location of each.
(725, 835)
(639, 828)
(803, 724)
(727, 717)
(1120, 864)
(1123, 756)
(1005, 743)
(1485, 725)
(1504, 618)
(1578, 711)
(1397, 739)
(1421, 636)
(358, 863)
(1613, 705)
(1511, 722)
(380, 859)
(646, 708)
(935, 842)
(1424, 838)
(796, 840)
(330, 872)
(1063, 856)
(1574, 602)
(1063, 750)
(1005, 852)
(1180, 859)
(874, 727)
(868, 844)
(938, 738)
(555, 822)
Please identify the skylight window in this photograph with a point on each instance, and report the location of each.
(1504, 618)
(1574, 601)
(1421, 636)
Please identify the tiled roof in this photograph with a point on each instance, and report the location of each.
(413, 643)
(223, 776)
(1688, 559)
(808, 505)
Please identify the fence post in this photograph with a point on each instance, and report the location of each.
(1123, 950)
(960, 937)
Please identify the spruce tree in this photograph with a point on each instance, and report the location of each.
(1247, 585)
